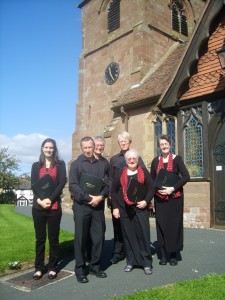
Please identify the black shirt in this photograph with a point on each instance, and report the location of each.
(96, 167)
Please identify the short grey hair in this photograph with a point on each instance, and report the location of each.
(99, 138)
(131, 151)
(124, 135)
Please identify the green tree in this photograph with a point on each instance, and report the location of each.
(8, 165)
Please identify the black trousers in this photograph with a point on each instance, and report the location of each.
(119, 249)
(47, 221)
(89, 223)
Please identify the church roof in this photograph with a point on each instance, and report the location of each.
(206, 79)
(155, 82)
(163, 82)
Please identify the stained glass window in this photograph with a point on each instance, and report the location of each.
(193, 145)
(170, 126)
(157, 134)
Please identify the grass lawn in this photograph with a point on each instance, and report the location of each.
(17, 239)
(211, 287)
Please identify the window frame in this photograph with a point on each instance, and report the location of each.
(164, 121)
(180, 136)
(179, 20)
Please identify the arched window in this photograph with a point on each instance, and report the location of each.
(113, 15)
(157, 134)
(179, 18)
(193, 142)
(164, 125)
(170, 129)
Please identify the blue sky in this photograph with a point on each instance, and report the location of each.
(40, 45)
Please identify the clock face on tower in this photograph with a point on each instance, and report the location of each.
(112, 73)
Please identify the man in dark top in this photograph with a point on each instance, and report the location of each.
(98, 153)
(117, 162)
(88, 210)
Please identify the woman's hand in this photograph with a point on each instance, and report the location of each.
(45, 203)
(141, 204)
(116, 213)
(167, 190)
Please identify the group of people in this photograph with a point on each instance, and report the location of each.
(130, 219)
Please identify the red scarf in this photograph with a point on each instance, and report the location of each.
(52, 172)
(124, 182)
(170, 169)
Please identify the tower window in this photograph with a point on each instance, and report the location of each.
(114, 15)
(179, 19)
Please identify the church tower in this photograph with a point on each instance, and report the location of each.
(124, 43)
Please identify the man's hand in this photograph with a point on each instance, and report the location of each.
(95, 200)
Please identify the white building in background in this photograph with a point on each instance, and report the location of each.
(24, 194)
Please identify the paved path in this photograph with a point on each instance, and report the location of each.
(204, 253)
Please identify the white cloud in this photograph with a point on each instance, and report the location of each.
(26, 148)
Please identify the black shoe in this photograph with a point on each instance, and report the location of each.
(163, 261)
(148, 270)
(98, 273)
(173, 261)
(37, 276)
(82, 278)
(52, 275)
(114, 260)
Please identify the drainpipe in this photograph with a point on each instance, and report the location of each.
(125, 117)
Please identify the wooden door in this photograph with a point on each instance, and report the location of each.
(218, 179)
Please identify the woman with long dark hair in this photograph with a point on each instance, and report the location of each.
(47, 212)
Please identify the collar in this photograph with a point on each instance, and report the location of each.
(84, 158)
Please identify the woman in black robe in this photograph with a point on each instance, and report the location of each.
(134, 216)
(169, 203)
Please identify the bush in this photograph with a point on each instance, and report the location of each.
(8, 197)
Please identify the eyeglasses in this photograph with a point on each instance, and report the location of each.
(130, 159)
(124, 142)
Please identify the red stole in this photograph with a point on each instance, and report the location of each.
(124, 182)
(170, 169)
(52, 172)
